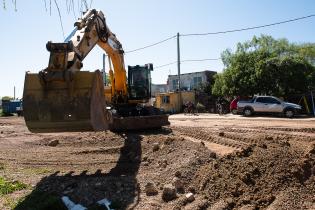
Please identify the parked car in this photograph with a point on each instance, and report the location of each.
(267, 104)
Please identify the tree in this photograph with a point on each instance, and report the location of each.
(206, 87)
(74, 6)
(71, 5)
(6, 98)
(264, 65)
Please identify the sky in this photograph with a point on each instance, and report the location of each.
(137, 23)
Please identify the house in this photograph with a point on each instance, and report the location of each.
(190, 81)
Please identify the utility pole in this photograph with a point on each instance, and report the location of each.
(313, 103)
(178, 61)
(178, 69)
(104, 73)
(14, 93)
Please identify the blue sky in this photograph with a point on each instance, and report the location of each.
(137, 23)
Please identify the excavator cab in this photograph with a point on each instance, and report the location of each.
(139, 82)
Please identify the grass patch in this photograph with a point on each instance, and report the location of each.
(37, 171)
(39, 200)
(10, 202)
(7, 187)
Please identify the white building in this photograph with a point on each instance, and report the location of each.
(189, 81)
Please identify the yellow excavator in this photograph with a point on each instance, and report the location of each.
(62, 98)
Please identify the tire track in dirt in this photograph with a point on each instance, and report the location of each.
(213, 140)
(272, 133)
(230, 138)
(300, 130)
(252, 139)
(219, 149)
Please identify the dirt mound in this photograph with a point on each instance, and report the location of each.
(267, 174)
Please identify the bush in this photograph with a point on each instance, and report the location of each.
(6, 98)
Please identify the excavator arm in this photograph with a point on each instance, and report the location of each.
(63, 98)
(90, 30)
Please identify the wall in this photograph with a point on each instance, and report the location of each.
(173, 105)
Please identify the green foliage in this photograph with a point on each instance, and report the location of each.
(108, 82)
(70, 5)
(220, 86)
(6, 98)
(266, 66)
(7, 187)
(207, 87)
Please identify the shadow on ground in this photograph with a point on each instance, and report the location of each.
(118, 185)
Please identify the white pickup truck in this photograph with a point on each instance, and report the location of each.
(267, 104)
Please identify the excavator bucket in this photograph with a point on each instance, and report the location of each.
(59, 106)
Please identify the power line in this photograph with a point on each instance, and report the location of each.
(223, 32)
(151, 45)
(197, 60)
(168, 64)
(188, 60)
(248, 28)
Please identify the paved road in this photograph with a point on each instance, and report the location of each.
(231, 116)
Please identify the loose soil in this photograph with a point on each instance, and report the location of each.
(228, 162)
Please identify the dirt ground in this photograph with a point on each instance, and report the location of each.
(227, 162)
